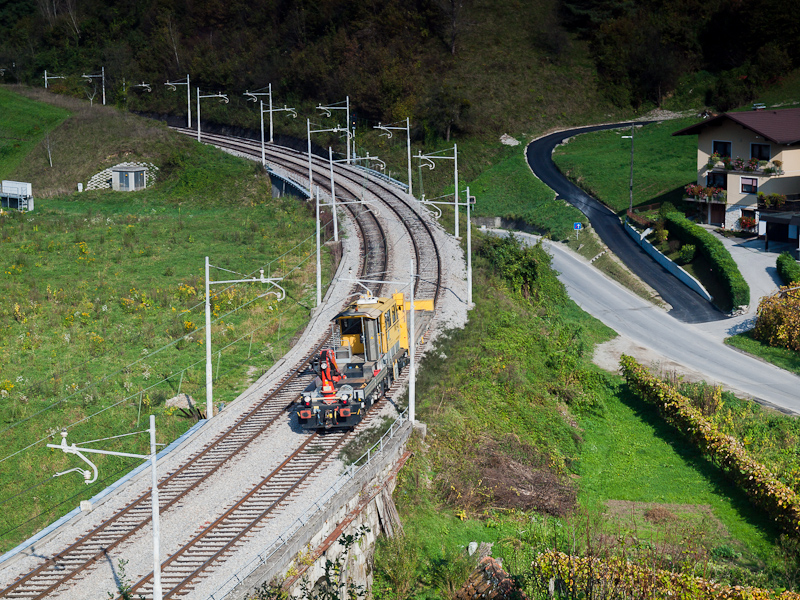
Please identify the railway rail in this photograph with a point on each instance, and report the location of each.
(221, 537)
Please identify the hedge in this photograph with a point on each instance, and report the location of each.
(788, 268)
(593, 577)
(758, 482)
(715, 252)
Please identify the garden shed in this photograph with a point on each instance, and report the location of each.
(128, 177)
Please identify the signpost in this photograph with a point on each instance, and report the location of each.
(577, 226)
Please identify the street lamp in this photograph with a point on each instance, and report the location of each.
(260, 279)
(388, 134)
(630, 187)
(47, 77)
(171, 87)
(338, 106)
(427, 160)
(223, 99)
(252, 96)
(102, 76)
(90, 477)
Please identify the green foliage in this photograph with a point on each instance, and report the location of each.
(334, 583)
(599, 163)
(755, 479)
(644, 51)
(123, 584)
(686, 253)
(788, 269)
(451, 570)
(103, 302)
(526, 269)
(738, 292)
(397, 559)
(778, 322)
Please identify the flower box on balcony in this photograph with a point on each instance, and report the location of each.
(740, 165)
(698, 193)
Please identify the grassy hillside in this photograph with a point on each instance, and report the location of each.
(23, 125)
(530, 447)
(102, 319)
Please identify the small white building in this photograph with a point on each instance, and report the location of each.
(128, 177)
(17, 195)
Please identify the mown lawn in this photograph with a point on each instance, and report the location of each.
(599, 162)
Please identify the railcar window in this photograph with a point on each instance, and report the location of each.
(350, 326)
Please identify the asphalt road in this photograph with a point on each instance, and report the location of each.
(687, 306)
(684, 343)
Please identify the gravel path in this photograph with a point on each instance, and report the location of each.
(210, 500)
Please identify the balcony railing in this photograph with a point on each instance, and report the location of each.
(790, 203)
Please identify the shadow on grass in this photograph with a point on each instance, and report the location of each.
(692, 456)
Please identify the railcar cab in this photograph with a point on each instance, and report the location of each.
(370, 351)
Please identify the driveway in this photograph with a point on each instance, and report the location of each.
(670, 340)
(759, 271)
(687, 306)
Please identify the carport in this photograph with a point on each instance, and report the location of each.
(781, 227)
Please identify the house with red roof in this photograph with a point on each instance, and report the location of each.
(748, 171)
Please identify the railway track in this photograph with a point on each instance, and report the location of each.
(355, 184)
(221, 537)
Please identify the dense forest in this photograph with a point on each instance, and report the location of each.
(402, 58)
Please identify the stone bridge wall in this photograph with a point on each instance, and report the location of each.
(366, 500)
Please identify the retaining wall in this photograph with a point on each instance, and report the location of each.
(668, 264)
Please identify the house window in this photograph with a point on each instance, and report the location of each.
(721, 148)
(717, 180)
(749, 185)
(760, 151)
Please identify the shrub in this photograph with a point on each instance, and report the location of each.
(712, 249)
(615, 577)
(788, 268)
(687, 253)
(761, 485)
(778, 321)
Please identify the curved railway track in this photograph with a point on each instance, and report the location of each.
(418, 223)
(222, 536)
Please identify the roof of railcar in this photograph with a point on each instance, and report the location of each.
(371, 310)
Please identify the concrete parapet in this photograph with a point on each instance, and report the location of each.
(359, 501)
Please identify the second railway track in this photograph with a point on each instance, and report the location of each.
(183, 567)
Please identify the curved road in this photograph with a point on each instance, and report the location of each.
(687, 306)
(683, 343)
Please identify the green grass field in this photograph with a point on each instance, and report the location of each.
(599, 163)
(23, 126)
(631, 455)
(780, 357)
(508, 189)
(102, 319)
